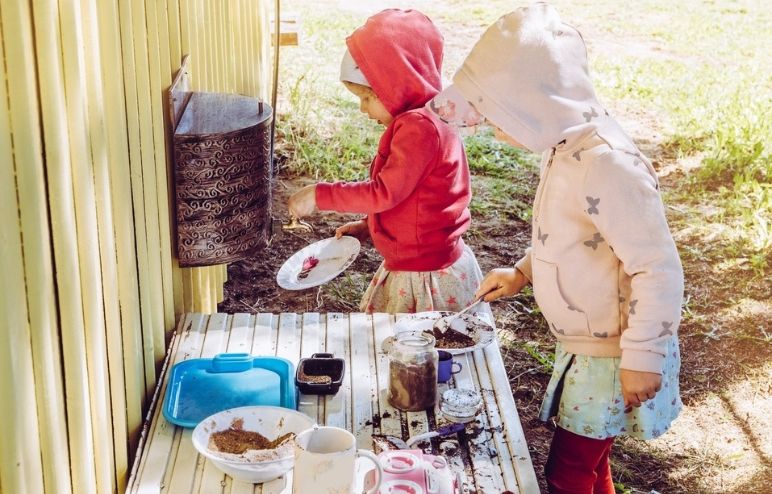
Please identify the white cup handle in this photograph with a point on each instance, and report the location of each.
(371, 456)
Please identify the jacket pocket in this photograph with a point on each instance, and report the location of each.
(563, 317)
(378, 228)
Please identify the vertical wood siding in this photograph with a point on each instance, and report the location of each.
(90, 284)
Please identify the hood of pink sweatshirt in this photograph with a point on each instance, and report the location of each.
(528, 75)
(400, 54)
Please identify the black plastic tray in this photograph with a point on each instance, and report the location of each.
(320, 364)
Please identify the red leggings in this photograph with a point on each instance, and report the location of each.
(578, 464)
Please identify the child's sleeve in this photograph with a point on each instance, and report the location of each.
(413, 149)
(524, 265)
(630, 217)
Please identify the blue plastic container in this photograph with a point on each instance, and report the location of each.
(202, 387)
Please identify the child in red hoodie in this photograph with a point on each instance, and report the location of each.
(419, 188)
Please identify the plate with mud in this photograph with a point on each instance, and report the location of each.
(465, 334)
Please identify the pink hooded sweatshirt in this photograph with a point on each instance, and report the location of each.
(604, 267)
(419, 189)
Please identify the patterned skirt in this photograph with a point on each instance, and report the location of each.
(450, 289)
(585, 396)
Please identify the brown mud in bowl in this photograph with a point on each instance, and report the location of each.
(238, 441)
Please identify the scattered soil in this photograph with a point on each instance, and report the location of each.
(251, 285)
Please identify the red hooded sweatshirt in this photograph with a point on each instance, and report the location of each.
(417, 195)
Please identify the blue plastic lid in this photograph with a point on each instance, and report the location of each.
(201, 387)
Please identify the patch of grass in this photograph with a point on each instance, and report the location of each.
(491, 158)
(721, 117)
(730, 225)
(346, 291)
(342, 153)
(504, 178)
(621, 488)
(546, 360)
(494, 198)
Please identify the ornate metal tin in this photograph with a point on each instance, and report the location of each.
(222, 177)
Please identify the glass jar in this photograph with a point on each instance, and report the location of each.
(413, 372)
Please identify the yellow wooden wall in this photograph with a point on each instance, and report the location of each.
(89, 286)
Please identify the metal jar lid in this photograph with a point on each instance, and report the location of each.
(461, 404)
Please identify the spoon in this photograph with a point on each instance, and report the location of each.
(382, 442)
(296, 223)
(443, 324)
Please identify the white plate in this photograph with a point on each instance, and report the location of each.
(471, 325)
(334, 255)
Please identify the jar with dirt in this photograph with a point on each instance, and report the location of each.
(413, 372)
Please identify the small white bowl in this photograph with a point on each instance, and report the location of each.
(271, 422)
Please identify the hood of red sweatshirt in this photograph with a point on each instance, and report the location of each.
(400, 54)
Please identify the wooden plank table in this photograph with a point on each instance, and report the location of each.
(490, 455)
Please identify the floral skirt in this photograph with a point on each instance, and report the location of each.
(450, 289)
(585, 396)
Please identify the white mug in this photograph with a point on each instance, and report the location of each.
(325, 460)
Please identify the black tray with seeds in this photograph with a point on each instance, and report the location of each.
(321, 374)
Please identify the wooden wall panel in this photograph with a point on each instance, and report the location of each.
(124, 346)
(22, 155)
(160, 74)
(91, 287)
(93, 459)
(20, 466)
(146, 302)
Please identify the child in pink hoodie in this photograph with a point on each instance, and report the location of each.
(417, 196)
(603, 265)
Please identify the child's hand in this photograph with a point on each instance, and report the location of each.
(501, 282)
(303, 202)
(638, 386)
(357, 229)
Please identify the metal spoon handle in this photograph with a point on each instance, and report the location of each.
(443, 324)
(466, 309)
